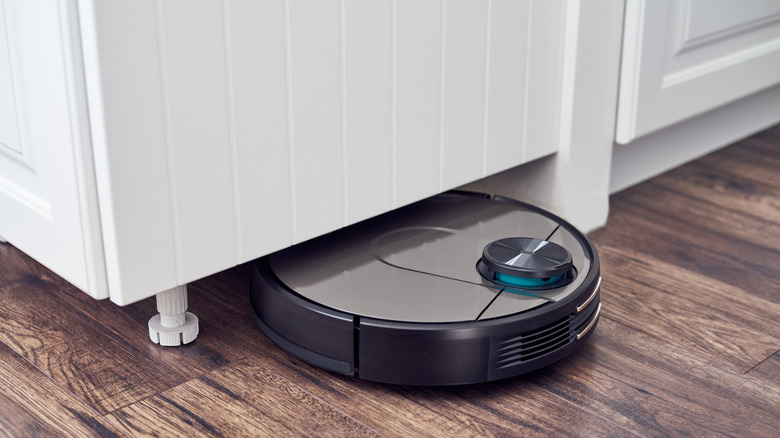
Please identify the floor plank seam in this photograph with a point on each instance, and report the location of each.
(694, 197)
(592, 413)
(290, 382)
(55, 381)
(152, 395)
(720, 234)
(759, 364)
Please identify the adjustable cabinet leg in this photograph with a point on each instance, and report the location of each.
(173, 326)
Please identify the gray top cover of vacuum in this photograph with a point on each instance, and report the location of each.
(419, 264)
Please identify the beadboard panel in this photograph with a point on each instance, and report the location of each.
(129, 137)
(367, 34)
(236, 128)
(417, 76)
(315, 51)
(506, 85)
(257, 37)
(463, 91)
(194, 81)
(544, 77)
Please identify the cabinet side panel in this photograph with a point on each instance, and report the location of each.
(258, 67)
(198, 140)
(463, 102)
(544, 78)
(418, 43)
(316, 88)
(124, 90)
(367, 34)
(507, 65)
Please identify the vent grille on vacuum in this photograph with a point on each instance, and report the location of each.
(517, 349)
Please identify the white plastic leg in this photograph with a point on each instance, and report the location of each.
(173, 326)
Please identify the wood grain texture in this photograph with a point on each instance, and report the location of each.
(767, 373)
(31, 404)
(722, 212)
(94, 349)
(651, 387)
(263, 403)
(687, 344)
(723, 322)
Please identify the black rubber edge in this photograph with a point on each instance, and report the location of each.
(460, 353)
(302, 353)
(414, 353)
(322, 336)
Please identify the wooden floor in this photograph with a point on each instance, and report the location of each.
(687, 343)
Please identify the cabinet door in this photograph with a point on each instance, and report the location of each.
(47, 195)
(224, 131)
(684, 57)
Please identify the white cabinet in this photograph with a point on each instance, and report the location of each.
(683, 58)
(203, 134)
(146, 144)
(696, 75)
(48, 203)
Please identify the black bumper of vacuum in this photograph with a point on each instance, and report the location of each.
(421, 353)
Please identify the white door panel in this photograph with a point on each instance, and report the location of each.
(47, 200)
(683, 58)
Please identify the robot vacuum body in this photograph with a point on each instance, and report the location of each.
(456, 289)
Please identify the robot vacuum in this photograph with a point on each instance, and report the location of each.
(459, 288)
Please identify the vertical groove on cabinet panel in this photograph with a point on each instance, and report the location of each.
(527, 82)
(442, 77)
(290, 122)
(344, 140)
(463, 90)
(367, 76)
(544, 77)
(86, 193)
(417, 85)
(232, 130)
(261, 122)
(506, 75)
(165, 95)
(316, 82)
(486, 102)
(394, 103)
(196, 85)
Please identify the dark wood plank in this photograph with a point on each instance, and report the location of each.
(755, 159)
(726, 324)
(657, 389)
(767, 373)
(97, 350)
(698, 229)
(498, 409)
(388, 409)
(32, 405)
(740, 209)
(240, 399)
(233, 331)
